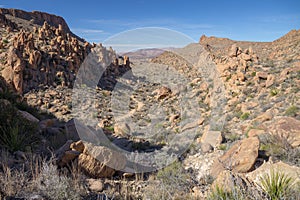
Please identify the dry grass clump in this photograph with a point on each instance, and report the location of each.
(40, 178)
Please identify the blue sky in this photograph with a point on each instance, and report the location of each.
(96, 20)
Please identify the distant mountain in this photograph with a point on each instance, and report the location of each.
(146, 53)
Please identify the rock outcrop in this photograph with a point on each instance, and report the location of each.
(36, 17)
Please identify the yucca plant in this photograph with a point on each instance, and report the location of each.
(277, 185)
(17, 135)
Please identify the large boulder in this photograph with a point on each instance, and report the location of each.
(95, 161)
(240, 157)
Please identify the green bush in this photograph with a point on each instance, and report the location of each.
(5, 41)
(245, 116)
(274, 92)
(292, 111)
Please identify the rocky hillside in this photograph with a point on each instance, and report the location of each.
(237, 101)
(28, 20)
(261, 83)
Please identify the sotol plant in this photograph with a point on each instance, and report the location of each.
(277, 185)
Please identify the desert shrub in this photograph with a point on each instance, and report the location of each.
(232, 137)
(292, 111)
(279, 148)
(12, 181)
(18, 135)
(5, 41)
(54, 186)
(277, 185)
(8, 94)
(223, 147)
(274, 92)
(172, 183)
(244, 116)
(39, 177)
(220, 194)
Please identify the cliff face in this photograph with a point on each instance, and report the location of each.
(36, 17)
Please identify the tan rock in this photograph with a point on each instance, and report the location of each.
(232, 182)
(121, 129)
(213, 138)
(250, 51)
(239, 158)
(93, 167)
(206, 148)
(203, 87)
(173, 117)
(108, 156)
(241, 76)
(227, 180)
(162, 92)
(193, 124)
(77, 146)
(35, 59)
(68, 157)
(262, 75)
(270, 80)
(95, 185)
(268, 115)
(7, 74)
(18, 75)
(255, 132)
(60, 153)
(245, 57)
(233, 51)
(196, 81)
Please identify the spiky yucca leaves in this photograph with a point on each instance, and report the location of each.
(277, 185)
